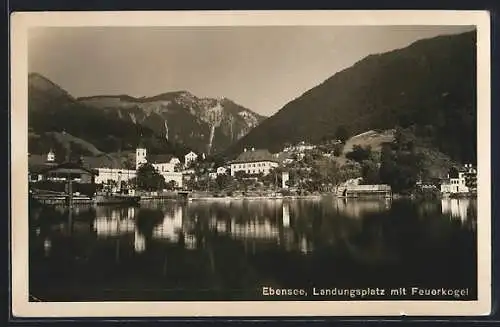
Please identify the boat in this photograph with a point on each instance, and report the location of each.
(116, 198)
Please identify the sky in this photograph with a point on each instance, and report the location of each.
(259, 67)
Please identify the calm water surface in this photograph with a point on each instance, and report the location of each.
(230, 249)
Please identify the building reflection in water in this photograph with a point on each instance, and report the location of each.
(286, 214)
(295, 226)
(257, 221)
(47, 245)
(139, 242)
(253, 229)
(356, 208)
(114, 221)
(456, 208)
(305, 245)
(190, 241)
(171, 226)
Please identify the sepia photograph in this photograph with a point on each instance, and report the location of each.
(269, 163)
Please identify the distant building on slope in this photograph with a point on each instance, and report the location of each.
(300, 147)
(189, 158)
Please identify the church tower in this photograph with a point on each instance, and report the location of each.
(140, 157)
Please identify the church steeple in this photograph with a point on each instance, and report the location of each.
(140, 156)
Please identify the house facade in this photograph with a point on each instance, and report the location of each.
(104, 175)
(221, 170)
(254, 162)
(164, 164)
(189, 158)
(463, 180)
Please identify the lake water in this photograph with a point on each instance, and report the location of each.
(231, 249)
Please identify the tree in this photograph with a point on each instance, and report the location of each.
(401, 164)
(223, 181)
(359, 154)
(337, 149)
(370, 172)
(171, 185)
(149, 179)
(342, 134)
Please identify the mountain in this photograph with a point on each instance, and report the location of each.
(430, 84)
(170, 122)
(58, 120)
(205, 124)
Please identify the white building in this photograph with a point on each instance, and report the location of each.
(221, 170)
(285, 177)
(254, 162)
(299, 147)
(51, 157)
(189, 158)
(164, 164)
(114, 174)
(458, 181)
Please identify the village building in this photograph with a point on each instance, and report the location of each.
(254, 162)
(376, 190)
(353, 188)
(222, 170)
(300, 147)
(69, 171)
(285, 158)
(463, 180)
(56, 177)
(106, 168)
(38, 163)
(109, 170)
(190, 158)
(164, 164)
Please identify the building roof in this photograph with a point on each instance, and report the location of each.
(161, 158)
(282, 156)
(254, 156)
(103, 161)
(69, 167)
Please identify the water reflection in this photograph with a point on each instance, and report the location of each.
(279, 221)
(171, 226)
(457, 208)
(357, 208)
(47, 244)
(281, 240)
(139, 242)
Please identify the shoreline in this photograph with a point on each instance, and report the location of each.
(241, 198)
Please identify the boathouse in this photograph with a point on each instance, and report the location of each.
(377, 190)
(56, 179)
